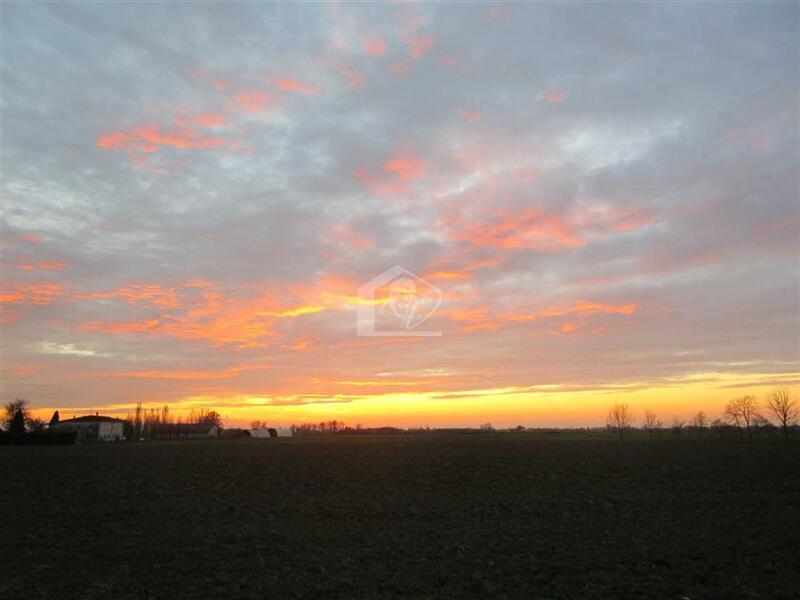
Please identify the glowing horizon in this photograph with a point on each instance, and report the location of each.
(194, 196)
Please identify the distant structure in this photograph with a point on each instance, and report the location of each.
(234, 433)
(92, 428)
(270, 432)
(185, 431)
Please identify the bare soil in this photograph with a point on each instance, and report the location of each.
(490, 516)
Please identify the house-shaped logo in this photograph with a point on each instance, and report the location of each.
(396, 303)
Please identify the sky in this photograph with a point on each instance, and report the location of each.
(576, 205)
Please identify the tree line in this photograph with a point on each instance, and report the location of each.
(340, 428)
(143, 423)
(157, 422)
(742, 415)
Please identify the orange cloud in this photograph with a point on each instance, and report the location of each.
(30, 238)
(293, 86)
(479, 319)
(405, 167)
(147, 139)
(401, 68)
(123, 327)
(355, 78)
(301, 344)
(24, 370)
(241, 319)
(254, 101)
(525, 229)
(447, 275)
(397, 172)
(552, 96)
(345, 235)
(210, 119)
(374, 46)
(419, 45)
(30, 293)
(42, 266)
(537, 229)
(150, 293)
(190, 375)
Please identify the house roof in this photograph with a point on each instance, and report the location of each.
(92, 419)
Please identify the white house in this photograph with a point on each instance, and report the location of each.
(92, 428)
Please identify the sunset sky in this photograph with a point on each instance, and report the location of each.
(605, 196)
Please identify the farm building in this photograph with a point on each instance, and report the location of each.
(92, 428)
(234, 433)
(184, 431)
(267, 432)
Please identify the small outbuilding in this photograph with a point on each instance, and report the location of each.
(268, 432)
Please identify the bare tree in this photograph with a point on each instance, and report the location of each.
(620, 418)
(677, 425)
(651, 422)
(732, 415)
(700, 422)
(784, 408)
(742, 410)
(137, 422)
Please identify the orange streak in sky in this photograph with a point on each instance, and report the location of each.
(30, 293)
(291, 85)
(374, 46)
(419, 45)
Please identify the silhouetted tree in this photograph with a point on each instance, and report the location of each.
(677, 425)
(14, 413)
(651, 423)
(127, 428)
(619, 418)
(742, 410)
(54, 420)
(137, 421)
(210, 417)
(700, 422)
(17, 422)
(35, 424)
(784, 408)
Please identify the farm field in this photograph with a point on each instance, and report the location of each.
(511, 516)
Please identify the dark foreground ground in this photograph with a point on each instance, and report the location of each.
(411, 517)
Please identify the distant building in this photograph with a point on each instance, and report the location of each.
(234, 433)
(184, 431)
(92, 428)
(267, 432)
